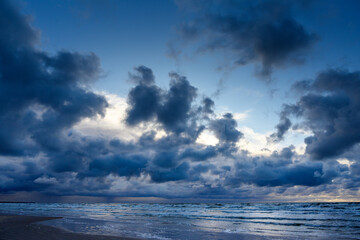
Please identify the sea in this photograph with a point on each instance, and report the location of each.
(201, 220)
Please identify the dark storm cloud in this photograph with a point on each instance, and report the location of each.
(119, 165)
(143, 76)
(284, 124)
(144, 102)
(175, 111)
(225, 129)
(286, 153)
(330, 109)
(282, 127)
(69, 161)
(173, 174)
(16, 181)
(42, 96)
(197, 170)
(280, 170)
(200, 154)
(263, 32)
(17, 32)
(264, 175)
(208, 105)
(167, 159)
(171, 108)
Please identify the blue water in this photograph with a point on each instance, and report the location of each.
(202, 221)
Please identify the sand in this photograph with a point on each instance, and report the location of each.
(26, 228)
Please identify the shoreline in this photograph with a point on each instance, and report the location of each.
(19, 227)
(16, 227)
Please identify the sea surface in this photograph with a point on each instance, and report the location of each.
(202, 221)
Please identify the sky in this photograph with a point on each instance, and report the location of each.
(179, 101)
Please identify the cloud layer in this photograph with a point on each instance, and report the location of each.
(45, 97)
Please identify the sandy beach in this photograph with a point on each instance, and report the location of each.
(26, 227)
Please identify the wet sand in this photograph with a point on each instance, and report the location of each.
(26, 227)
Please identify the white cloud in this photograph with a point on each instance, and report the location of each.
(256, 143)
(46, 180)
(241, 116)
(112, 125)
(207, 138)
(238, 116)
(344, 161)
